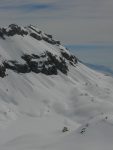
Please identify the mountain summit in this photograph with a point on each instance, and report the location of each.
(48, 99)
(34, 51)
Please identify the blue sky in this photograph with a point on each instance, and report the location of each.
(71, 21)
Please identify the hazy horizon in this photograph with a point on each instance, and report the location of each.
(70, 21)
(100, 56)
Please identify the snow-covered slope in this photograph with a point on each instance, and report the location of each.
(49, 100)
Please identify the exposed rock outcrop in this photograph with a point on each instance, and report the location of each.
(46, 62)
(12, 30)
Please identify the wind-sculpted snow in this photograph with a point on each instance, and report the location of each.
(49, 100)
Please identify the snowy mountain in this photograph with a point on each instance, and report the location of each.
(48, 99)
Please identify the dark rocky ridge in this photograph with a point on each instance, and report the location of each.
(45, 63)
(49, 65)
(13, 30)
(73, 59)
(16, 30)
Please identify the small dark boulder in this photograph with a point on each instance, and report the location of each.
(27, 57)
(83, 130)
(2, 35)
(65, 129)
(2, 71)
(22, 68)
(37, 37)
(71, 58)
(48, 35)
(58, 42)
(33, 65)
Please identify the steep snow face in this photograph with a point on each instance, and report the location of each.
(51, 110)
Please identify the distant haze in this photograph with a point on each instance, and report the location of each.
(98, 55)
(71, 21)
